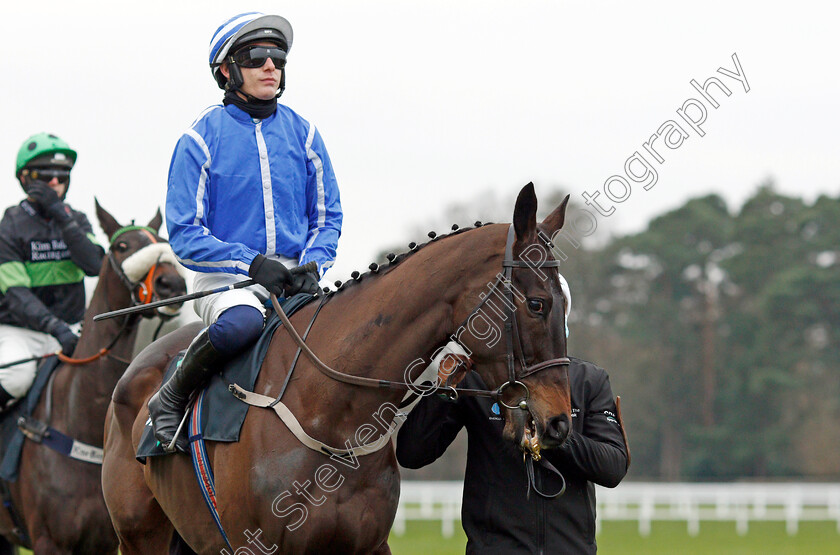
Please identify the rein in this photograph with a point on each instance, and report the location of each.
(42, 432)
(530, 445)
(350, 378)
(510, 327)
(102, 352)
(145, 297)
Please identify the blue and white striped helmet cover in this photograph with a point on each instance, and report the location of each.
(221, 41)
(227, 33)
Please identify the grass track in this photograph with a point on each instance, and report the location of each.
(666, 538)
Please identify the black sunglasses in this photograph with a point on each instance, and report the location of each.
(255, 56)
(47, 174)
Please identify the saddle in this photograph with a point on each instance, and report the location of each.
(222, 414)
(11, 437)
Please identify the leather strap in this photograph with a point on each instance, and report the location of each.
(263, 401)
(40, 432)
(532, 484)
(358, 380)
(297, 354)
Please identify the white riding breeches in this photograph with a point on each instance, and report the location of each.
(20, 343)
(209, 308)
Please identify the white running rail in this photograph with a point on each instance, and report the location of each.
(646, 502)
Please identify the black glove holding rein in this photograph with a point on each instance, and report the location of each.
(304, 283)
(271, 274)
(66, 338)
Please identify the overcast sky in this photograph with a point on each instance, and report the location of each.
(422, 104)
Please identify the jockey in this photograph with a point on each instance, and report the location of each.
(251, 191)
(46, 250)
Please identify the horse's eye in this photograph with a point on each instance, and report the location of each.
(537, 306)
(121, 246)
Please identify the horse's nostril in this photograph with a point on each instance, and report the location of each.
(162, 286)
(166, 287)
(558, 427)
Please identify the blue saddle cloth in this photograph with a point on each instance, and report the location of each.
(11, 438)
(223, 414)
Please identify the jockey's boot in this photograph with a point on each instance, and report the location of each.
(168, 405)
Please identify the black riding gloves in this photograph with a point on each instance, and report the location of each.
(304, 283)
(48, 200)
(67, 338)
(271, 274)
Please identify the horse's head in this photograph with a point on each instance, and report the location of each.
(517, 336)
(144, 263)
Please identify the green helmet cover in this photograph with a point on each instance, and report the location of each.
(48, 148)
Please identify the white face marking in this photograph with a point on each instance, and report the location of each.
(138, 264)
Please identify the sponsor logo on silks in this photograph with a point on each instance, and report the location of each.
(43, 251)
(610, 417)
(495, 411)
(575, 412)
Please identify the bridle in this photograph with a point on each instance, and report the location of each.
(142, 292)
(511, 332)
(530, 445)
(40, 431)
(512, 327)
(144, 296)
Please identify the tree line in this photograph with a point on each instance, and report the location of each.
(720, 331)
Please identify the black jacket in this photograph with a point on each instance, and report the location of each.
(496, 515)
(42, 268)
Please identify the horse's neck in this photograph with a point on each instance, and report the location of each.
(390, 326)
(82, 392)
(411, 310)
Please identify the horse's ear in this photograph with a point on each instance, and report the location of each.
(525, 213)
(155, 222)
(555, 220)
(106, 220)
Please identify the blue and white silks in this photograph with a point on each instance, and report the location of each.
(239, 187)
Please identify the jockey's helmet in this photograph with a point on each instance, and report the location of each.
(43, 150)
(240, 30)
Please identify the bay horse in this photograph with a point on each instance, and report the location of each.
(58, 500)
(271, 491)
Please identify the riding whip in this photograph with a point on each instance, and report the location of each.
(309, 267)
(30, 359)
